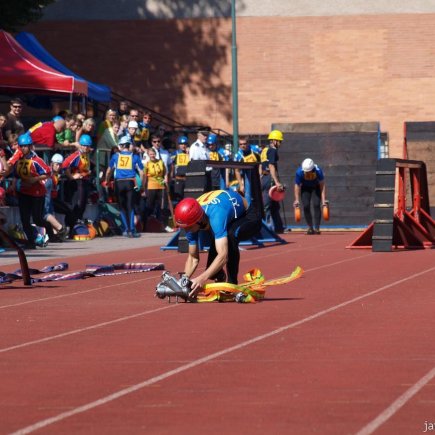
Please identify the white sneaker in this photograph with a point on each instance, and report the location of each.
(168, 229)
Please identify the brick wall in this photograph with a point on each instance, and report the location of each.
(291, 69)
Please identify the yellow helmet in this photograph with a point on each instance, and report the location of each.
(275, 135)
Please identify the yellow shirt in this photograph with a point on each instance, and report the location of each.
(155, 173)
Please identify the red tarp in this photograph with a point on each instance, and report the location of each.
(21, 71)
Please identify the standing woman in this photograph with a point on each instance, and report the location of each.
(124, 165)
(155, 172)
(87, 128)
(31, 172)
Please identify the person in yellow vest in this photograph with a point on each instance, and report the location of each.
(245, 154)
(180, 161)
(155, 173)
(217, 175)
(145, 129)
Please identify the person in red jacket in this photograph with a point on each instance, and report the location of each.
(44, 134)
(77, 167)
(30, 173)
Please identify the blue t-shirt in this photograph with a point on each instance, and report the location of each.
(221, 207)
(125, 164)
(309, 179)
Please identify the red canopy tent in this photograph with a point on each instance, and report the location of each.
(20, 71)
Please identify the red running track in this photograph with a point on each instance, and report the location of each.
(348, 348)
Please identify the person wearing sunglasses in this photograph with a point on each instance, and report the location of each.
(13, 118)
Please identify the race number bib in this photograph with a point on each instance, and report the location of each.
(125, 162)
(84, 161)
(23, 168)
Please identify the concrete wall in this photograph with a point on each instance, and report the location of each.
(354, 68)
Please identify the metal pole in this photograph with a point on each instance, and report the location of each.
(234, 77)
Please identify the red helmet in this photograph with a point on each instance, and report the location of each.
(188, 212)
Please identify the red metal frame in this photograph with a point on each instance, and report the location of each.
(412, 229)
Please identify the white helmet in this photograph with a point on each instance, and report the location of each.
(57, 158)
(124, 142)
(307, 165)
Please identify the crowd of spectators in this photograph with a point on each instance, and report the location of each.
(67, 144)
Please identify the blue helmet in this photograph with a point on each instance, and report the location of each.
(212, 139)
(85, 140)
(25, 140)
(183, 140)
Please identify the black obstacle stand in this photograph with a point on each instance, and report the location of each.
(198, 181)
(348, 153)
(398, 183)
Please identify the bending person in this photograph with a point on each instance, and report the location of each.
(228, 219)
(310, 186)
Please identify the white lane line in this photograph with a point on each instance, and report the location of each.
(65, 334)
(111, 397)
(65, 295)
(397, 404)
(87, 328)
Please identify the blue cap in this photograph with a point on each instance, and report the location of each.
(85, 140)
(212, 139)
(182, 140)
(24, 140)
(57, 118)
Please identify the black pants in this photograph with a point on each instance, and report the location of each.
(155, 204)
(79, 191)
(32, 208)
(124, 190)
(240, 229)
(62, 207)
(313, 194)
(272, 208)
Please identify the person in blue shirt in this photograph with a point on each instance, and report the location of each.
(124, 166)
(229, 220)
(310, 186)
(270, 177)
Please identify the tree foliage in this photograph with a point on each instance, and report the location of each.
(15, 14)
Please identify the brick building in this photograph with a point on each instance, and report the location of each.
(298, 61)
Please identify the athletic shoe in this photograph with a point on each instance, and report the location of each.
(42, 242)
(310, 231)
(168, 229)
(62, 233)
(316, 231)
(134, 234)
(126, 234)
